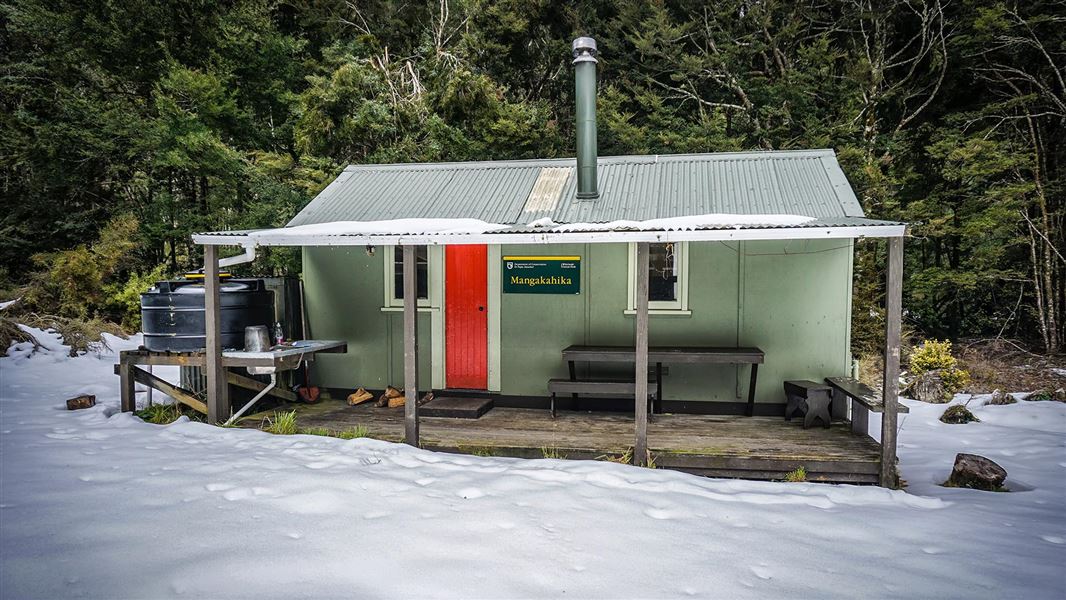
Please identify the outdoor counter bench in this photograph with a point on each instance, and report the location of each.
(707, 355)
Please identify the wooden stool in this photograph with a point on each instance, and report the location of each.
(810, 399)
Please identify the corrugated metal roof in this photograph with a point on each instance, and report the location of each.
(796, 182)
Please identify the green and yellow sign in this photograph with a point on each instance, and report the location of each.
(542, 274)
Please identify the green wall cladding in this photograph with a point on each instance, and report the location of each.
(790, 298)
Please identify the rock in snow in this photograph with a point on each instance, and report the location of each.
(977, 472)
(999, 399)
(929, 387)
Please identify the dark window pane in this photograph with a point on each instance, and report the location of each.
(422, 274)
(662, 273)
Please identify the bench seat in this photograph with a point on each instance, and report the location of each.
(863, 394)
(864, 400)
(601, 387)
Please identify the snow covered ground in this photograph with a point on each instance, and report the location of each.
(99, 504)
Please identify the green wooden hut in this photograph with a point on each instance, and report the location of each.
(471, 279)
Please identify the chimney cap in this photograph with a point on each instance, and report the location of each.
(584, 50)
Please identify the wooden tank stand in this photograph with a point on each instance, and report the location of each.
(129, 373)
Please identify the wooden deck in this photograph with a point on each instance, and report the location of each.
(717, 446)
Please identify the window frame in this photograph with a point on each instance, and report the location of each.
(678, 306)
(391, 301)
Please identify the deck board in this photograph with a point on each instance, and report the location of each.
(728, 446)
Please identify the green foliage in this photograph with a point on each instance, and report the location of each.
(957, 414)
(281, 423)
(160, 414)
(359, 431)
(74, 283)
(936, 355)
(796, 476)
(233, 115)
(125, 297)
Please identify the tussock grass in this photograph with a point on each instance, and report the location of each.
(359, 431)
(316, 431)
(282, 423)
(626, 458)
(797, 476)
(10, 333)
(81, 335)
(552, 452)
(160, 414)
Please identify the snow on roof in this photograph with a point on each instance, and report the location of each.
(690, 223)
(707, 227)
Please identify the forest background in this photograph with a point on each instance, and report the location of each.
(128, 125)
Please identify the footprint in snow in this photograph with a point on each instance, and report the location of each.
(377, 514)
(1053, 539)
(218, 487)
(658, 513)
(237, 494)
(761, 572)
(932, 550)
(470, 493)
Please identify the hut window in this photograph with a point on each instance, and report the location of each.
(662, 273)
(667, 278)
(422, 276)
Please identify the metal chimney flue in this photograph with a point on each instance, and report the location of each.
(584, 50)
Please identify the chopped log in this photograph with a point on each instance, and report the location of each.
(359, 396)
(390, 394)
(81, 402)
(397, 402)
(425, 399)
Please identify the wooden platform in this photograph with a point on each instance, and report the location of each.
(718, 446)
(456, 408)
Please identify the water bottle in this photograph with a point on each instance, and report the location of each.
(279, 334)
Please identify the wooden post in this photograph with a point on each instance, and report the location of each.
(890, 393)
(410, 345)
(218, 408)
(640, 358)
(127, 391)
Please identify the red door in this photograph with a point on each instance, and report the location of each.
(466, 323)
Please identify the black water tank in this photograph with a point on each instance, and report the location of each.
(172, 313)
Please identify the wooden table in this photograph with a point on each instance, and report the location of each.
(704, 355)
(280, 358)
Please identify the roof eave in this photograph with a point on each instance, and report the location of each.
(553, 237)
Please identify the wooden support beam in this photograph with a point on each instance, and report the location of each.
(180, 394)
(640, 362)
(893, 316)
(218, 408)
(410, 345)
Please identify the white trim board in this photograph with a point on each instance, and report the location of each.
(575, 237)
